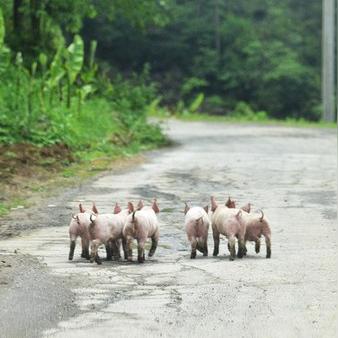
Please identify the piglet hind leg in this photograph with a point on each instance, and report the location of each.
(129, 249)
(232, 245)
(215, 235)
(83, 252)
(205, 246)
(193, 248)
(268, 246)
(257, 245)
(109, 251)
(115, 247)
(140, 251)
(154, 242)
(85, 248)
(125, 248)
(71, 249)
(241, 248)
(94, 252)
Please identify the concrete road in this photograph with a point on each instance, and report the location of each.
(290, 173)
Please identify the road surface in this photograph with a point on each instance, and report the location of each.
(290, 173)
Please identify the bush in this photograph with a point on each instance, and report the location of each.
(243, 111)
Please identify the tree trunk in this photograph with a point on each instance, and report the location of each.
(17, 16)
(217, 29)
(35, 18)
(328, 60)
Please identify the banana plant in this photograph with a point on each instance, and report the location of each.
(73, 63)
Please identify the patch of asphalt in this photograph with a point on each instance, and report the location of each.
(31, 299)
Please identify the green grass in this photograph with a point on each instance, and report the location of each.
(234, 120)
(5, 207)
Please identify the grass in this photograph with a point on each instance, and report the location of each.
(289, 122)
(29, 173)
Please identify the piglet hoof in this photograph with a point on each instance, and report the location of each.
(150, 254)
(215, 253)
(140, 259)
(205, 253)
(232, 258)
(92, 259)
(130, 259)
(98, 260)
(70, 258)
(193, 255)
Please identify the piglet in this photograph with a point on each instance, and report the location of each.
(256, 226)
(78, 227)
(225, 221)
(141, 225)
(196, 226)
(107, 229)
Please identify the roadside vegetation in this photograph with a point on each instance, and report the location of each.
(79, 79)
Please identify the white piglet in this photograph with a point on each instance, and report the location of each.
(196, 226)
(107, 229)
(141, 225)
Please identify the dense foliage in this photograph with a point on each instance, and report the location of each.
(253, 58)
(262, 53)
(52, 90)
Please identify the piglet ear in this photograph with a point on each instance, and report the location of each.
(81, 208)
(228, 202)
(94, 209)
(117, 208)
(246, 207)
(206, 208)
(130, 207)
(213, 203)
(186, 208)
(140, 205)
(155, 206)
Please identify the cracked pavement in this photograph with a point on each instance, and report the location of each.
(288, 172)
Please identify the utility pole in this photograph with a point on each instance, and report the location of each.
(328, 60)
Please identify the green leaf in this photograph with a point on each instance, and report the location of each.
(56, 71)
(74, 58)
(196, 103)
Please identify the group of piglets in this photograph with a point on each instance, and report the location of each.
(113, 229)
(140, 223)
(235, 224)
